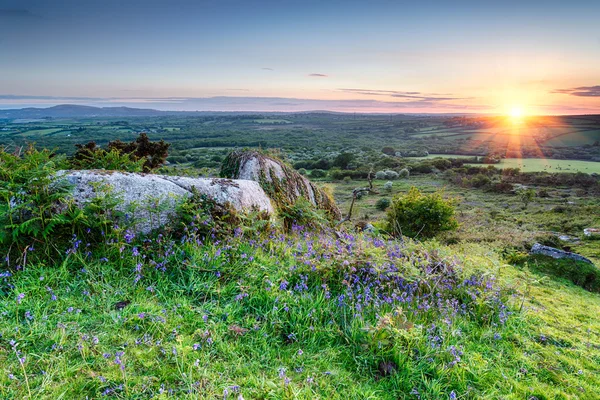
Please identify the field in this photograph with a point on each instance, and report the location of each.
(550, 165)
(319, 134)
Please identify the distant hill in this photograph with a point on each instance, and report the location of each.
(77, 111)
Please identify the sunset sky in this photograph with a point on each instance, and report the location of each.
(368, 56)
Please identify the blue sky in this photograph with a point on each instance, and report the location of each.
(427, 56)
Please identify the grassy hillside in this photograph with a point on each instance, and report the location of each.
(297, 316)
(219, 305)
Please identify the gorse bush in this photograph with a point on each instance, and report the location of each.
(139, 155)
(420, 215)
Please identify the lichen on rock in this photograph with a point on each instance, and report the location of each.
(153, 199)
(280, 181)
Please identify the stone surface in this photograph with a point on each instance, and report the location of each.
(281, 182)
(591, 232)
(557, 253)
(154, 197)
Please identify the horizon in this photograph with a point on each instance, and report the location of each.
(539, 58)
(307, 111)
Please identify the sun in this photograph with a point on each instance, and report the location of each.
(516, 114)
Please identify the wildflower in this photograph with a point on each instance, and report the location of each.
(20, 297)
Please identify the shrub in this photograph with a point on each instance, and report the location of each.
(302, 213)
(543, 193)
(391, 175)
(318, 173)
(342, 160)
(526, 196)
(416, 214)
(89, 156)
(35, 209)
(389, 151)
(380, 175)
(404, 173)
(388, 186)
(302, 171)
(382, 204)
(141, 154)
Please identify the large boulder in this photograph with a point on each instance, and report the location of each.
(281, 182)
(152, 199)
(557, 253)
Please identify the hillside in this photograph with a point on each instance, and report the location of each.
(221, 302)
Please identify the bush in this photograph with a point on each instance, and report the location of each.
(391, 175)
(404, 173)
(389, 151)
(382, 204)
(302, 213)
(141, 154)
(388, 186)
(386, 175)
(302, 171)
(416, 214)
(36, 210)
(318, 173)
(342, 160)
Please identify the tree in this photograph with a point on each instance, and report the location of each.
(388, 150)
(342, 160)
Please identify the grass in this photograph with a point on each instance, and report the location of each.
(500, 220)
(550, 165)
(219, 322)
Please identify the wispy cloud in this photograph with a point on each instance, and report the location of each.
(430, 97)
(267, 69)
(582, 91)
(318, 75)
(241, 103)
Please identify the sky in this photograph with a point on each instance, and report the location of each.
(541, 57)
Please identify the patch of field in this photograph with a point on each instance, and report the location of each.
(549, 165)
(575, 139)
(271, 121)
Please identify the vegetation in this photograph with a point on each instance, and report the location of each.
(417, 214)
(139, 155)
(221, 304)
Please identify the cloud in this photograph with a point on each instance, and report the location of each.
(241, 103)
(582, 91)
(429, 97)
(318, 75)
(267, 69)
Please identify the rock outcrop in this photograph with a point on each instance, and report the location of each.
(591, 232)
(151, 199)
(281, 182)
(557, 253)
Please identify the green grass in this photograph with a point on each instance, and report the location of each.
(575, 139)
(187, 333)
(550, 165)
